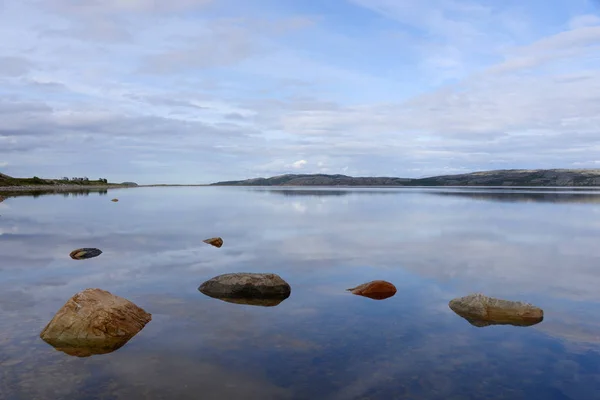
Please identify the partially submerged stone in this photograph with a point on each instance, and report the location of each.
(94, 321)
(2, 199)
(246, 285)
(216, 241)
(480, 311)
(250, 301)
(85, 253)
(114, 200)
(377, 290)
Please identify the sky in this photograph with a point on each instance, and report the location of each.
(197, 91)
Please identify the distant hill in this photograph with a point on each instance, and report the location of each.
(317, 180)
(510, 177)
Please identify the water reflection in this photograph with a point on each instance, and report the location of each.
(320, 343)
(264, 302)
(519, 196)
(480, 323)
(107, 346)
(39, 193)
(498, 319)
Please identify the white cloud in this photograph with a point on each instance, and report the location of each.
(582, 21)
(423, 88)
(95, 7)
(299, 164)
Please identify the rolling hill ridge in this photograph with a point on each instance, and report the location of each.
(512, 177)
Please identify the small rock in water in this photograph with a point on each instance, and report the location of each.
(2, 199)
(94, 321)
(480, 311)
(217, 241)
(85, 253)
(376, 290)
(246, 285)
(114, 200)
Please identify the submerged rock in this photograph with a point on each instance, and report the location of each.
(216, 241)
(377, 290)
(85, 253)
(246, 285)
(114, 200)
(480, 311)
(94, 321)
(249, 301)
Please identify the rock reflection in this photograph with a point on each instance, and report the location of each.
(481, 311)
(264, 302)
(87, 350)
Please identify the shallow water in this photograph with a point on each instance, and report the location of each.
(539, 246)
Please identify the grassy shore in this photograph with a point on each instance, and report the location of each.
(35, 184)
(59, 188)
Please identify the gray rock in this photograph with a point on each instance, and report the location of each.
(481, 311)
(246, 285)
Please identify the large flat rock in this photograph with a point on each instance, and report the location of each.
(481, 311)
(246, 285)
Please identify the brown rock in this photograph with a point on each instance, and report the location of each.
(85, 253)
(217, 241)
(114, 200)
(376, 290)
(480, 311)
(94, 321)
(246, 285)
(2, 199)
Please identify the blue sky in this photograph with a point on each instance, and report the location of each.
(194, 91)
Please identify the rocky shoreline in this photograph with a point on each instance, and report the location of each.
(59, 188)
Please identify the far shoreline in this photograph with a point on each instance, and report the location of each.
(593, 188)
(59, 188)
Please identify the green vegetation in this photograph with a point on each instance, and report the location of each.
(6, 180)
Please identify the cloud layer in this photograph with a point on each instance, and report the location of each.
(190, 91)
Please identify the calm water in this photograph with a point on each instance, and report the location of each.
(322, 342)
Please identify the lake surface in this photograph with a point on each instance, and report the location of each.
(322, 342)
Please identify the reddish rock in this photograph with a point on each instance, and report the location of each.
(377, 290)
(94, 321)
(114, 200)
(216, 241)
